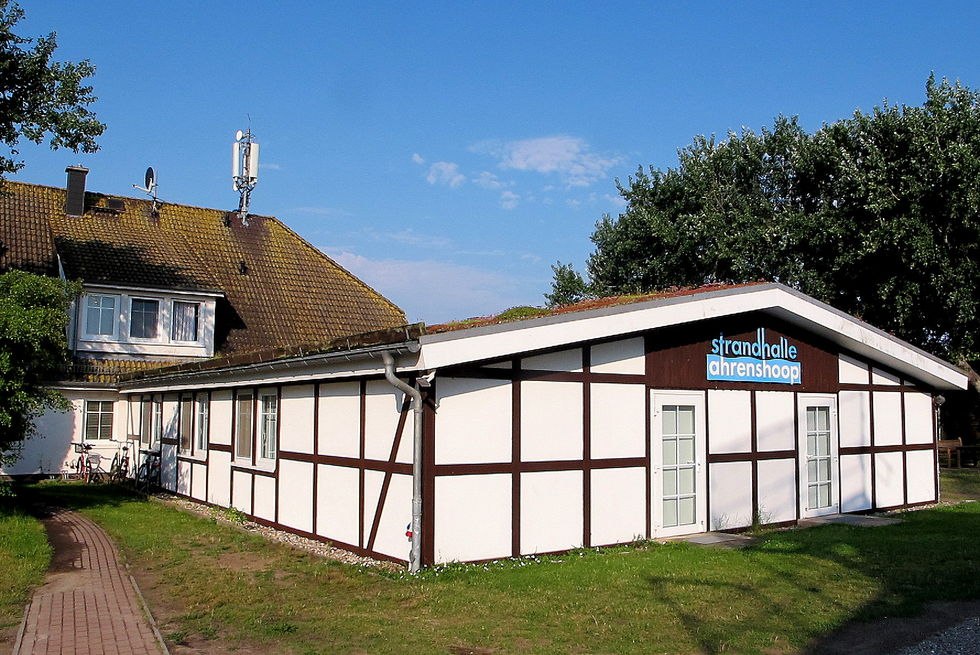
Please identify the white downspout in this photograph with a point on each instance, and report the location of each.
(415, 558)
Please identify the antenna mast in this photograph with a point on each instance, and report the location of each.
(150, 188)
(244, 169)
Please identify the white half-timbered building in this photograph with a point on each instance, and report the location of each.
(596, 424)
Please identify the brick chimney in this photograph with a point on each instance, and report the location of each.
(75, 199)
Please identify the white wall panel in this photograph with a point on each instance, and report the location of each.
(472, 517)
(922, 476)
(889, 482)
(852, 371)
(372, 492)
(473, 421)
(855, 418)
(626, 356)
(395, 516)
(199, 480)
(336, 503)
(775, 420)
(855, 483)
(918, 418)
(382, 409)
(219, 480)
(888, 418)
(619, 507)
(296, 419)
(168, 467)
(731, 495)
(618, 420)
(777, 490)
(296, 494)
(241, 492)
(563, 360)
(51, 450)
(551, 420)
(184, 478)
(220, 417)
(265, 497)
(340, 419)
(551, 511)
(729, 421)
(884, 377)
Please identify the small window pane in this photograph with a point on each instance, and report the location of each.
(686, 481)
(670, 451)
(823, 418)
(243, 427)
(670, 513)
(685, 451)
(100, 315)
(685, 420)
(270, 417)
(824, 494)
(824, 470)
(823, 445)
(185, 319)
(201, 442)
(669, 420)
(143, 318)
(811, 445)
(686, 513)
(812, 497)
(186, 423)
(811, 470)
(670, 482)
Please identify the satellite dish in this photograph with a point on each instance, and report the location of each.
(150, 179)
(238, 135)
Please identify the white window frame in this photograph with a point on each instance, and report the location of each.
(240, 437)
(185, 424)
(100, 412)
(202, 422)
(129, 320)
(156, 436)
(268, 426)
(173, 318)
(112, 336)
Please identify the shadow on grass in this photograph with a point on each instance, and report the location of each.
(41, 497)
(932, 556)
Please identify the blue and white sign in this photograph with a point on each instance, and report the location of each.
(733, 360)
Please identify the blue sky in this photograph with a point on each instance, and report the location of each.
(449, 153)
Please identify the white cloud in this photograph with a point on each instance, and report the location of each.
(462, 291)
(270, 166)
(445, 172)
(568, 157)
(509, 199)
(417, 158)
(615, 201)
(488, 180)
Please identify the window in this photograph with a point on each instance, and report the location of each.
(146, 416)
(267, 432)
(186, 423)
(157, 423)
(100, 315)
(201, 442)
(98, 419)
(243, 427)
(143, 318)
(185, 318)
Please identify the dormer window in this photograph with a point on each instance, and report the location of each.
(144, 317)
(100, 315)
(185, 317)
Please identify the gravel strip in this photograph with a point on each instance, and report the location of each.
(319, 548)
(962, 639)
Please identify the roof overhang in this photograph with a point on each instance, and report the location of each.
(116, 288)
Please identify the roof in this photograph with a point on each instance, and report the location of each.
(278, 290)
(491, 338)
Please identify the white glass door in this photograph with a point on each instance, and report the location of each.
(819, 494)
(678, 449)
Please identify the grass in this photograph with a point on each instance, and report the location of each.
(210, 582)
(960, 484)
(24, 557)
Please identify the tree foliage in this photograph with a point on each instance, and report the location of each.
(34, 313)
(39, 97)
(877, 214)
(567, 287)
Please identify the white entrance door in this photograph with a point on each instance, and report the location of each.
(678, 451)
(819, 489)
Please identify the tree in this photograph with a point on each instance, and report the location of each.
(34, 313)
(877, 214)
(568, 286)
(40, 97)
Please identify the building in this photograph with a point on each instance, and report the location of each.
(166, 285)
(597, 424)
(600, 423)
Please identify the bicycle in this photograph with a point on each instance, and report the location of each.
(148, 474)
(119, 470)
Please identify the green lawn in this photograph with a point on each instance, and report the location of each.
(208, 581)
(24, 556)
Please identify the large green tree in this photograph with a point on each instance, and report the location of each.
(34, 313)
(878, 215)
(40, 98)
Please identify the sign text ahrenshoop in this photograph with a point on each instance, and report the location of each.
(732, 360)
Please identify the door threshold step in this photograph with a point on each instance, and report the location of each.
(857, 520)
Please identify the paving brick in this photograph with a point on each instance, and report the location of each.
(88, 604)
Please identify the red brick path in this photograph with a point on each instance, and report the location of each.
(88, 604)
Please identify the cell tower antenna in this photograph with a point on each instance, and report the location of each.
(244, 169)
(150, 188)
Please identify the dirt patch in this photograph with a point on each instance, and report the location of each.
(892, 634)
